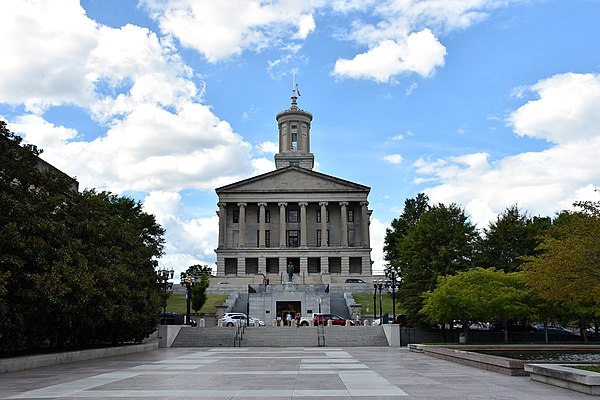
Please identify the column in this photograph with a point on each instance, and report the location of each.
(261, 225)
(242, 225)
(364, 223)
(282, 241)
(344, 217)
(303, 224)
(222, 213)
(323, 205)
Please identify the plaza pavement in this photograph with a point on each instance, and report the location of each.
(273, 374)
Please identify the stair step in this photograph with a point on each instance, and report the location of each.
(339, 336)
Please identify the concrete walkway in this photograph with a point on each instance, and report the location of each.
(273, 373)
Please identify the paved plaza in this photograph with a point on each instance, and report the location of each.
(272, 373)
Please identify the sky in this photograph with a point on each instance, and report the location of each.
(482, 103)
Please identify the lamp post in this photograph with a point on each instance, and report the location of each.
(381, 285)
(396, 283)
(163, 276)
(187, 281)
(377, 285)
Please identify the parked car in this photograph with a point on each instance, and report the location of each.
(308, 320)
(354, 280)
(322, 319)
(553, 330)
(256, 322)
(230, 319)
(172, 318)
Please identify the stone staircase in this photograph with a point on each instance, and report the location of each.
(335, 336)
(338, 305)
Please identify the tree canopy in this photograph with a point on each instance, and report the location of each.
(75, 268)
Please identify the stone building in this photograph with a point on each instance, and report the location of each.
(289, 239)
(317, 223)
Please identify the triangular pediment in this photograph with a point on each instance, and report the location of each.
(293, 179)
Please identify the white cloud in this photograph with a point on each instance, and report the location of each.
(188, 241)
(393, 158)
(420, 53)
(377, 235)
(398, 137)
(410, 88)
(566, 110)
(268, 147)
(222, 29)
(541, 182)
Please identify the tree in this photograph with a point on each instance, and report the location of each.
(413, 208)
(509, 239)
(567, 269)
(440, 243)
(478, 295)
(202, 274)
(75, 268)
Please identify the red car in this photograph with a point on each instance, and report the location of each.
(321, 319)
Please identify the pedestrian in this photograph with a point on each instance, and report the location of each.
(288, 319)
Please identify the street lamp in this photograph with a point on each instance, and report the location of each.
(187, 281)
(163, 276)
(396, 283)
(377, 285)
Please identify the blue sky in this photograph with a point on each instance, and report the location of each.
(478, 102)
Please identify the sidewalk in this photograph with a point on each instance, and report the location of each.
(273, 373)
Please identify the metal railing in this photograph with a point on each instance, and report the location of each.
(320, 335)
(239, 334)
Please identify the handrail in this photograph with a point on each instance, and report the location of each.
(320, 335)
(239, 334)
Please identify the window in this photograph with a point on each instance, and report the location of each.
(294, 140)
(267, 238)
(319, 238)
(267, 216)
(319, 216)
(350, 215)
(236, 216)
(293, 239)
(294, 126)
(292, 216)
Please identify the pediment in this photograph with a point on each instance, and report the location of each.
(293, 180)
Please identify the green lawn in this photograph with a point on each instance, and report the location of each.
(366, 300)
(177, 303)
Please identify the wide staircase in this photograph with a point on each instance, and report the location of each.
(306, 336)
(337, 304)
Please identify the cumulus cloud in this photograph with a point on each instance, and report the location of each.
(420, 53)
(188, 241)
(566, 110)
(222, 29)
(393, 158)
(377, 235)
(542, 182)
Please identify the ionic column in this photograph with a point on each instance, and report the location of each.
(261, 225)
(303, 224)
(323, 205)
(344, 216)
(222, 213)
(242, 217)
(364, 223)
(282, 242)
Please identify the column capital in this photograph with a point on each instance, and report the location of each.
(262, 204)
(344, 203)
(323, 203)
(242, 204)
(221, 204)
(282, 204)
(303, 204)
(364, 203)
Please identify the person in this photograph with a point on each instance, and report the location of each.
(278, 320)
(288, 318)
(290, 271)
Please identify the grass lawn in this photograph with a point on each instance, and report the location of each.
(593, 368)
(177, 303)
(366, 300)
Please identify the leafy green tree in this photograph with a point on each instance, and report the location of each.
(74, 268)
(567, 269)
(509, 239)
(202, 274)
(413, 208)
(441, 243)
(478, 295)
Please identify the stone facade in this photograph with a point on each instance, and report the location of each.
(293, 216)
